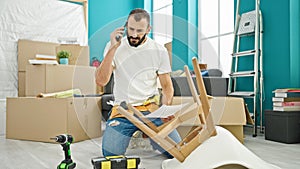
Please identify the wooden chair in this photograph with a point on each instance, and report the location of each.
(199, 110)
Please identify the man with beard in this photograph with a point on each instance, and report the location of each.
(136, 61)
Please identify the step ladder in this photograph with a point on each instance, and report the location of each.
(248, 24)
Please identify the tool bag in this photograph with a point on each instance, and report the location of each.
(116, 162)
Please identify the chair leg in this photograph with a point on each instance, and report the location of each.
(165, 142)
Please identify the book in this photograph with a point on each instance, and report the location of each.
(287, 90)
(287, 94)
(285, 99)
(286, 108)
(286, 103)
(41, 62)
(45, 57)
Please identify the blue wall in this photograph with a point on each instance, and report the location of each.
(104, 17)
(185, 33)
(295, 42)
(280, 45)
(281, 36)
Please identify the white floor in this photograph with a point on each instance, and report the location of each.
(17, 154)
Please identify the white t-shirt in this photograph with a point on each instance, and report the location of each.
(136, 69)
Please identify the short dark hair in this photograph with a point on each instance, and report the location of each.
(139, 14)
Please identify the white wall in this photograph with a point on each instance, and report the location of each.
(2, 116)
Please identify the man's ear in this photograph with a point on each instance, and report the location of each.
(148, 29)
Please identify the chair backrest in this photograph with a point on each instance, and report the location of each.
(192, 86)
(201, 87)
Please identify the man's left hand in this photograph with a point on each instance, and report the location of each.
(167, 119)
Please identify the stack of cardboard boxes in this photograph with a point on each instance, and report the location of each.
(39, 119)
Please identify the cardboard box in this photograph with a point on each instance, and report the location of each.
(79, 54)
(27, 49)
(55, 78)
(203, 66)
(228, 112)
(21, 84)
(39, 119)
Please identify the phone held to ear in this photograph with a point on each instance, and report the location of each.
(119, 37)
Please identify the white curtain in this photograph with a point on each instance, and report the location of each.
(41, 20)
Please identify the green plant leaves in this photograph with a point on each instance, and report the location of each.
(63, 54)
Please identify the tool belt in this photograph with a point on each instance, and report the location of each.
(150, 105)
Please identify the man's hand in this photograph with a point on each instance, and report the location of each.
(169, 118)
(167, 88)
(104, 71)
(116, 33)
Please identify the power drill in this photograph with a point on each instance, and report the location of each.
(65, 141)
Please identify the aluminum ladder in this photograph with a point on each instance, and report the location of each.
(248, 24)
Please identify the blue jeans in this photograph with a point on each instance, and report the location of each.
(119, 131)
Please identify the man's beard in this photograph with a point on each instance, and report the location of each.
(140, 40)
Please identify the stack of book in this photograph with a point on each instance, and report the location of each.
(287, 99)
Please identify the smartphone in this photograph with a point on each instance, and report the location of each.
(118, 37)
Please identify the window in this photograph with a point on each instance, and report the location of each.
(162, 21)
(216, 25)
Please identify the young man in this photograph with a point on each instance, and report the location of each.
(136, 61)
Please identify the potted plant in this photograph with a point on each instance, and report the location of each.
(63, 56)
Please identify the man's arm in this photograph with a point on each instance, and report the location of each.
(167, 88)
(104, 71)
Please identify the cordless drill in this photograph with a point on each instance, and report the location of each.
(65, 141)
